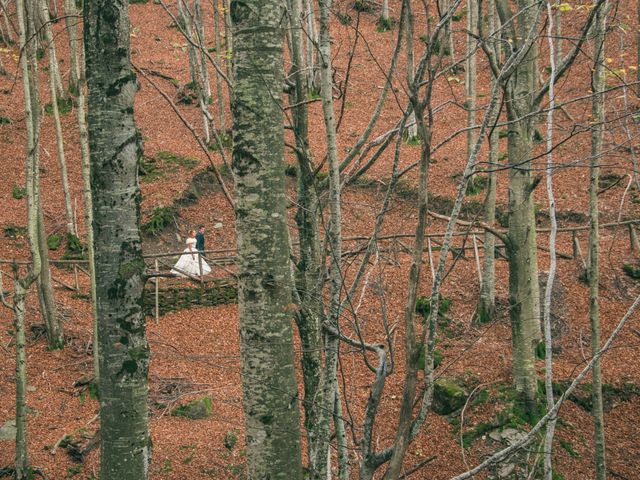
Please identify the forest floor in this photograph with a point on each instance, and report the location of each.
(195, 352)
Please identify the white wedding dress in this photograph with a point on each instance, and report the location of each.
(188, 264)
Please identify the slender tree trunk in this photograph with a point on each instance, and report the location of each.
(228, 40)
(597, 133)
(548, 354)
(125, 444)
(50, 44)
(264, 296)
(195, 43)
(88, 212)
(334, 240)
(71, 228)
(71, 21)
(20, 288)
(221, 58)
(48, 307)
(311, 42)
(308, 277)
(55, 337)
(471, 72)
(487, 306)
(23, 468)
(385, 10)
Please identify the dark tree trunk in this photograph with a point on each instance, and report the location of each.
(124, 352)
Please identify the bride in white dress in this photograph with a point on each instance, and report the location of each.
(188, 264)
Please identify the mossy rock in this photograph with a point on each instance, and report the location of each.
(195, 409)
(54, 241)
(448, 396)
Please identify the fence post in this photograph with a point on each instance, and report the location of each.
(200, 266)
(633, 238)
(157, 292)
(75, 276)
(475, 253)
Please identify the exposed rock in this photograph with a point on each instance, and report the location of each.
(448, 396)
(195, 409)
(8, 430)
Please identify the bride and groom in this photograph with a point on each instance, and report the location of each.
(191, 262)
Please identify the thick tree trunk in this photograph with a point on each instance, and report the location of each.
(597, 133)
(124, 353)
(264, 296)
(524, 297)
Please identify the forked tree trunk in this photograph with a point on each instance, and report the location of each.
(266, 345)
(125, 444)
(48, 308)
(597, 133)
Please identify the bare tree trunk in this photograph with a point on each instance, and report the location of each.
(88, 211)
(55, 336)
(71, 228)
(228, 39)
(334, 242)
(23, 468)
(50, 44)
(487, 304)
(311, 42)
(221, 58)
(524, 296)
(195, 44)
(471, 72)
(71, 22)
(125, 444)
(308, 278)
(548, 354)
(48, 307)
(597, 133)
(264, 296)
(412, 353)
(21, 286)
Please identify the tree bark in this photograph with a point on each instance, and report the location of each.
(308, 271)
(124, 352)
(221, 58)
(597, 133)
(524, 296)
(487, 305)
(74, 59)
(264, 297)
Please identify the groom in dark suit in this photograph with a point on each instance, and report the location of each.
(200, 239)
